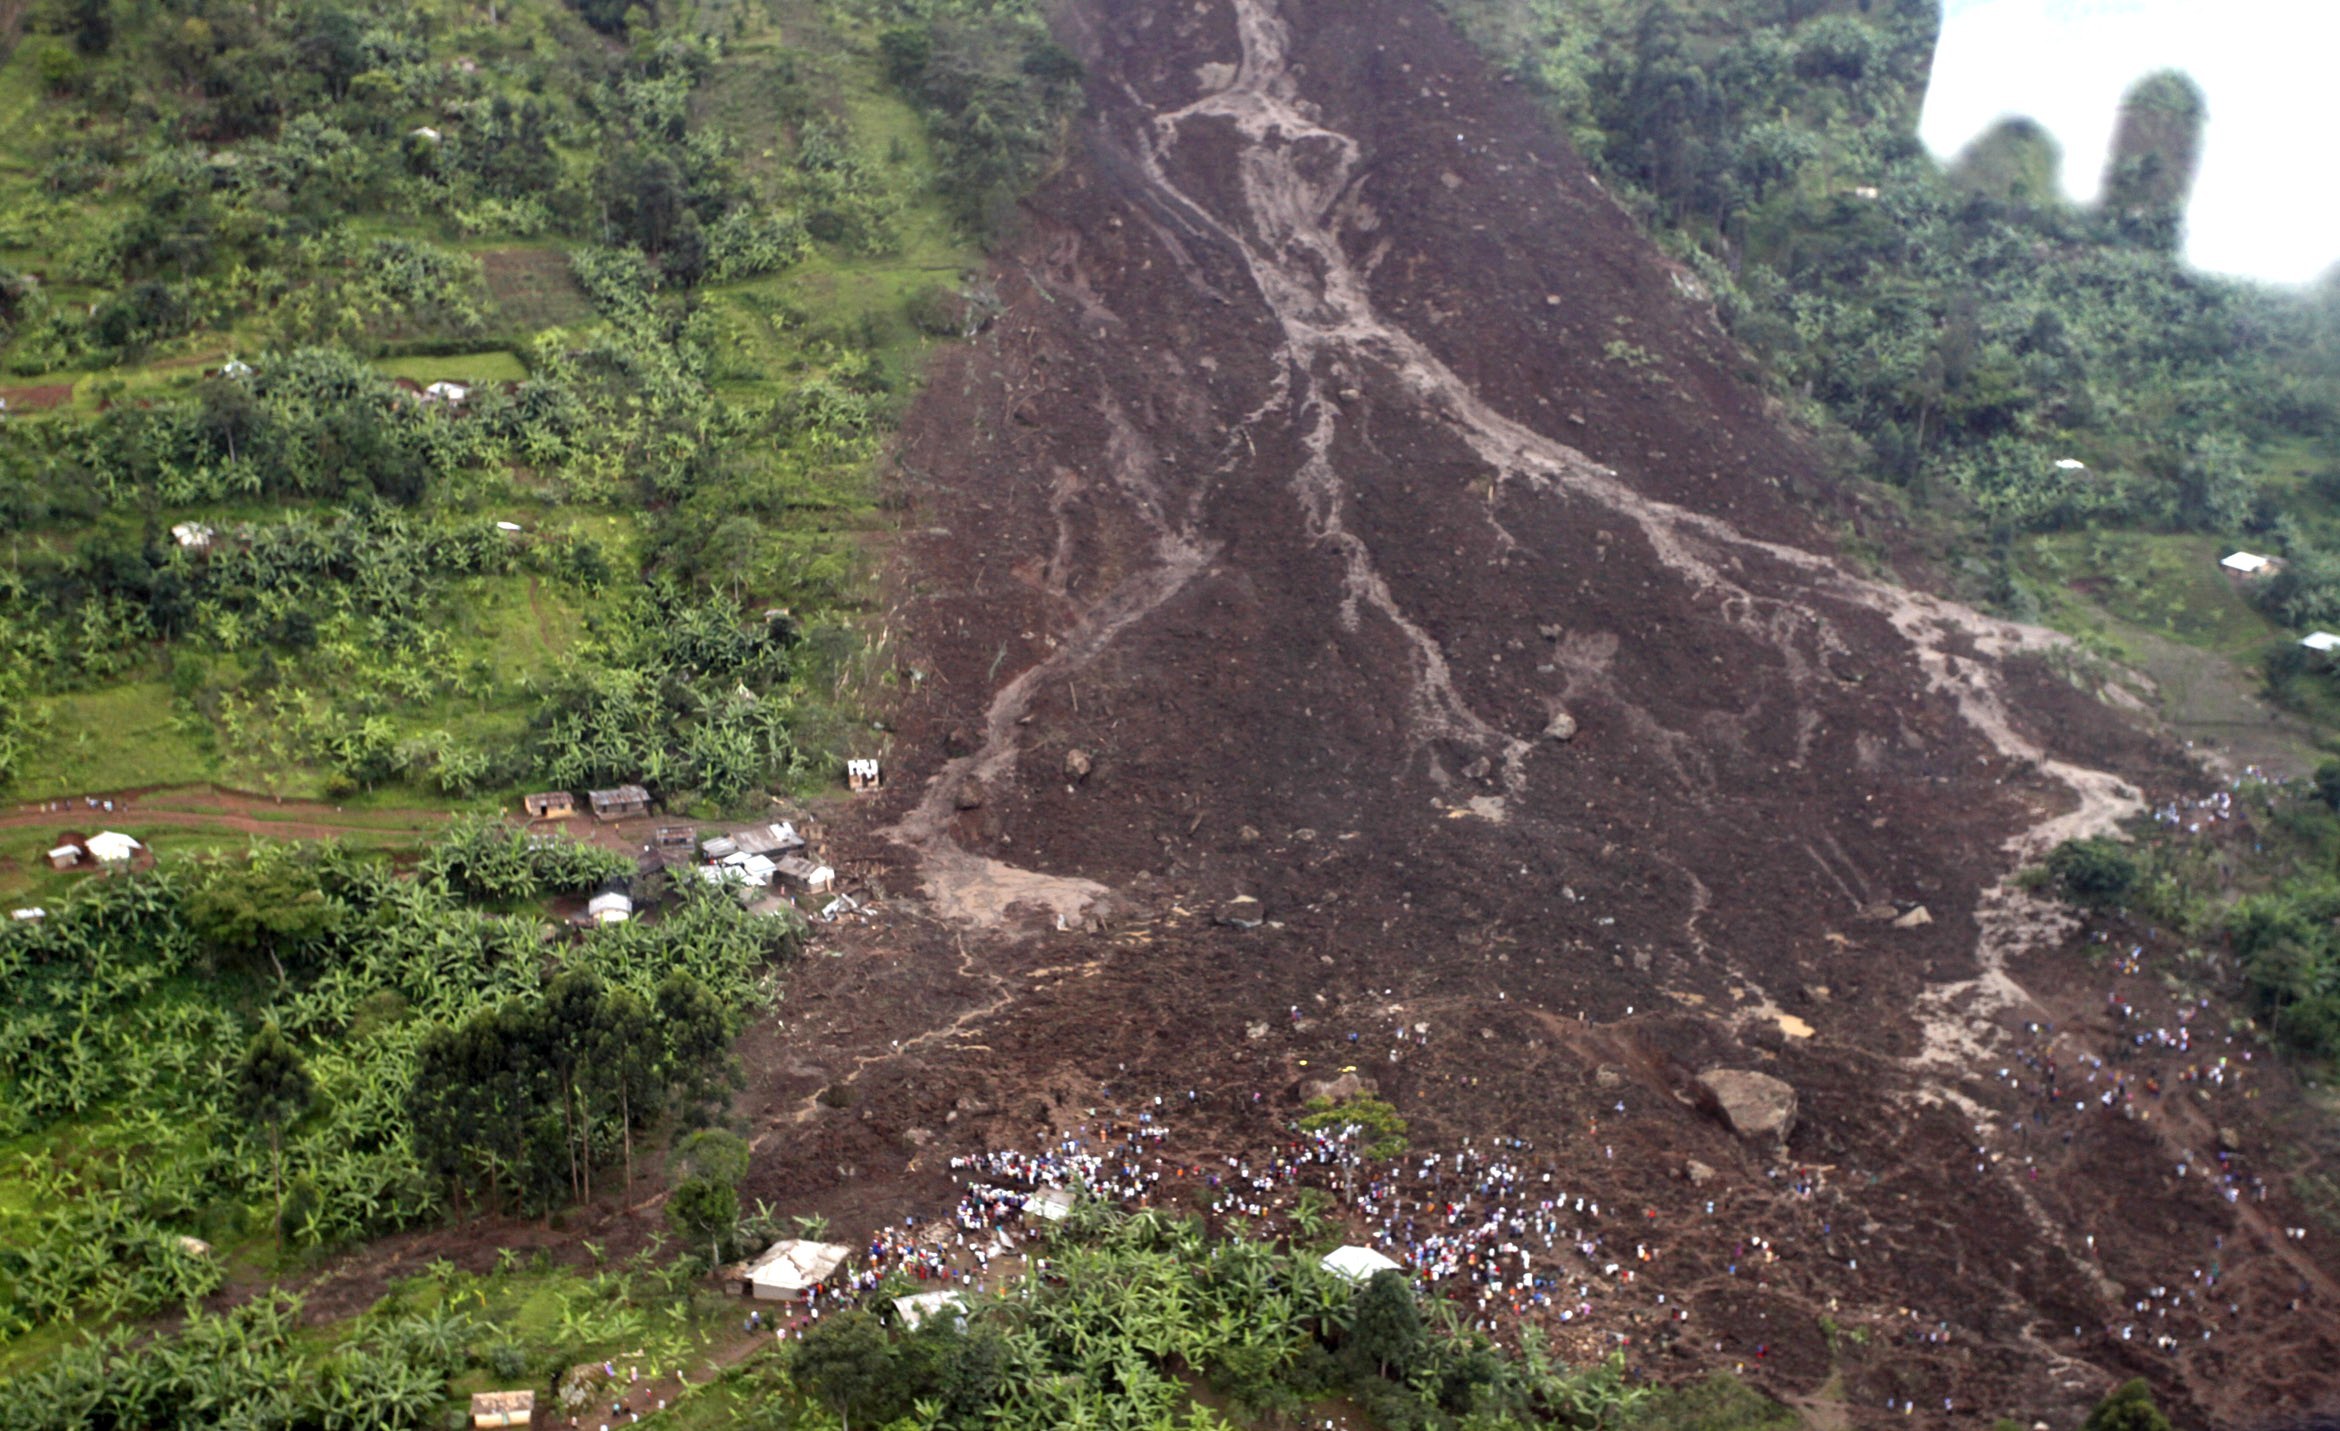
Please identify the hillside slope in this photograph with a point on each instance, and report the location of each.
(1350, 509)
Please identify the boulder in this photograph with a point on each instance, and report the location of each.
(1699, 1173)
(1562, 728)
(1242, 912)
(1077, 765)
(1758, 1107)
(969, 795)
(1917, 918)
(1339, 1090)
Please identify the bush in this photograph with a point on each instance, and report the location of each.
(2097, 873)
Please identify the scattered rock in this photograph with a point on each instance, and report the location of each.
(1608, 1077)
(1478, 769)
(918, 1137)
(1879, 914)
(1246, 835)
(1817, 993)
(1077, 765)
(969, 795)
(1256, 1030)
(1758, 1107)
(1699, 1173)
(2229, 1141)
(1562, 728)
(1550, 631)
(1917, 918)
(1242, 912)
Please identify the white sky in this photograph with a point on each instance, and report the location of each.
(2265, 205)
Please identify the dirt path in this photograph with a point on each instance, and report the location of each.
(215, 809)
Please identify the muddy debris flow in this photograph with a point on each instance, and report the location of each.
(1355, 624)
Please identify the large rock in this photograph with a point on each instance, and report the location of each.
(1757, 1106)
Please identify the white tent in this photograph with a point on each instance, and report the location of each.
(915, 1310)
(111, 847)
(2244, 563)
(788, 1270)
(2320, 641)
(2070, 464)
(1357, 1264)
(34, 915)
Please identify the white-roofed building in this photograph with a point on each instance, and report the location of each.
(1050, 1204)
(2245, 563)
(64, 857)
(1357, 1264)
(193, 536)
(915, 1310)
(32, 915)
(2320, 641)
(112, 847)
(789, 1269)
(2070, 464)
(609, 907)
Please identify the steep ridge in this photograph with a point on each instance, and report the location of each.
(1395, 538)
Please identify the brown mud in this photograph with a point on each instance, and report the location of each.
(1396, 539)
(1339, 442)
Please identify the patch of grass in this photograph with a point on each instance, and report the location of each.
(121, 737)
(2168, 584)
(496, 365)
(1720, 1403)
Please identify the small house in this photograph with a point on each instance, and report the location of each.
(32, 915)
(1050, 1204)
(550, 805)
(609, 907)
(753, 870)
(862, 775)
(801, 874)
(913, 1311)
(620, 802)
(2320, 642)
(446, 394)
(503, 1408)
(1357, 1264)
(2245, 563)
(773, 839)
(676, 837)
(193, 536)
(788, 1270)
(111, 847)
(65, 857)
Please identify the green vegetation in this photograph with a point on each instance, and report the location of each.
(679, 261)
(2047, 388)
(1139, 1314)
(305, 1040)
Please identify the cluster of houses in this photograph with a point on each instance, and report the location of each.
(107, 849)
(2250, 566)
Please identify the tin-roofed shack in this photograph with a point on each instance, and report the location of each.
(619, 802)
(788, 1270)
(503, 1408)
(550, 805)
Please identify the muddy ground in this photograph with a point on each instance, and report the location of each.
(1349, 509)
(1340, 444)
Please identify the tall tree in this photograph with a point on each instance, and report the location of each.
(273, 1088)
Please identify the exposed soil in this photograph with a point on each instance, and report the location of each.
(37, 399)
(1301, 489)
